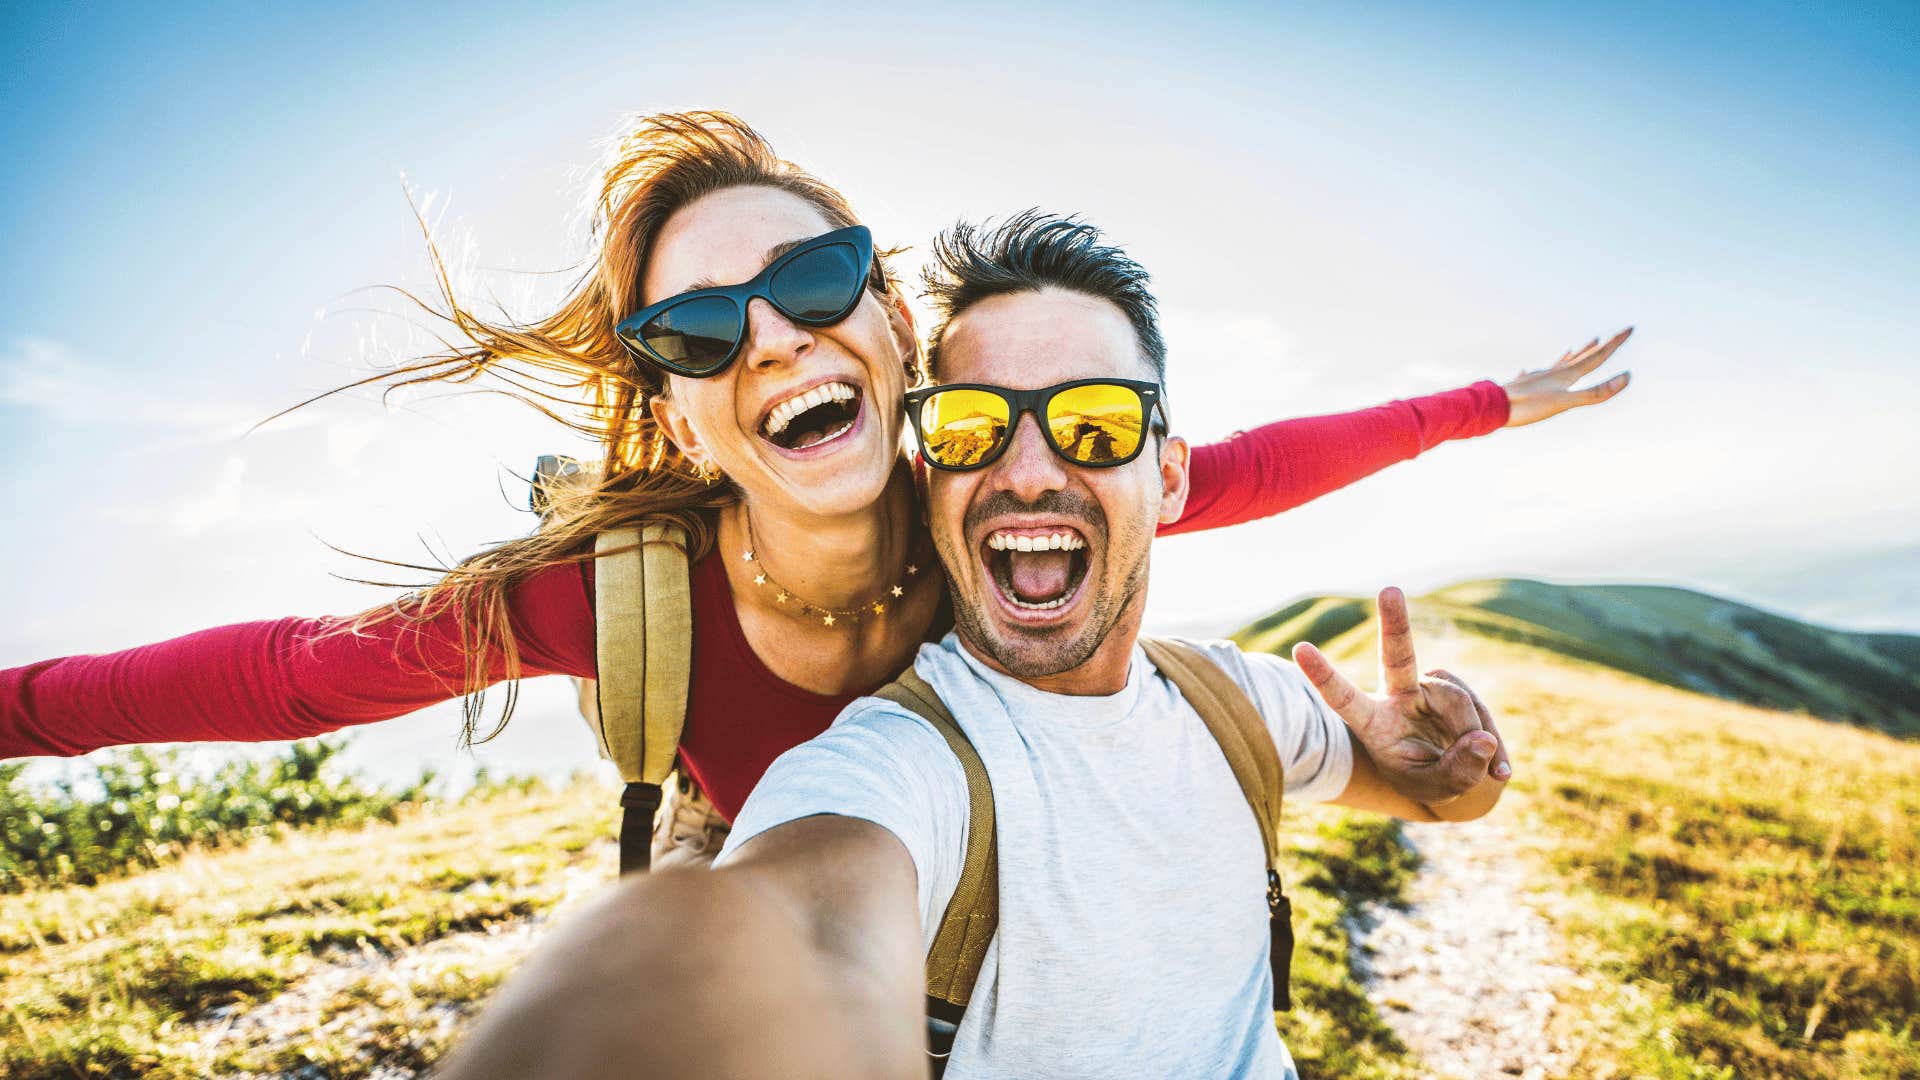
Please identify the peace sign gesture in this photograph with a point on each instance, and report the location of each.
(1430, 737)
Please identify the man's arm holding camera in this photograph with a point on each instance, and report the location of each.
(801, 957)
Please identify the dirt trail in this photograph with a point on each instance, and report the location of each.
(311, 1012)
(329, 1005)
(1470, 976)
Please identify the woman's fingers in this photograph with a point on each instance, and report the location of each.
(1601, 391)
(1541, 395)
(1572, 356)
(1597, 354)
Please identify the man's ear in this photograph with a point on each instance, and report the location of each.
(1174, 459)
(667, 414)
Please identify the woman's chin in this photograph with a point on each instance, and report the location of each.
(849, 479)
(854, 488)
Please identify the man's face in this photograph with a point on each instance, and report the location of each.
(1037, 614)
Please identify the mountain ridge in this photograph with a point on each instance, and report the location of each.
(1672, 635)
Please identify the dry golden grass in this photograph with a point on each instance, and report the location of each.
(148, 975)
(1742, 883)
(336, 953)
(1751, 878)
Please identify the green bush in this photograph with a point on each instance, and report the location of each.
(149, 807)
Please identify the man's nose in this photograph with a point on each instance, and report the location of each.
(772, 338)
(1029, 468)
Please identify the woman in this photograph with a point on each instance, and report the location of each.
(788, 449)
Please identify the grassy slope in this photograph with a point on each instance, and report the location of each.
(1748, 879)
(110, 980)
(156, 975)
(1749, 876)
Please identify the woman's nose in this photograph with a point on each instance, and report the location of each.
(772, 338)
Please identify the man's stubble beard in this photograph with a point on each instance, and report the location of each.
(1036, 655)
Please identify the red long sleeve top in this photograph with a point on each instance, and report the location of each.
(286, 679)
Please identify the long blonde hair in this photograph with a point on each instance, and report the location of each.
(663, 163)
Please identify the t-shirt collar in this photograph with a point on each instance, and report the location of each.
(1067, 710)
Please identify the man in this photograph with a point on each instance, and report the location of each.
(1131, 938)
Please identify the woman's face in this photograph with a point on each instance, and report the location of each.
(828, 453)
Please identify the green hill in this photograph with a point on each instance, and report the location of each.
(1674, 636)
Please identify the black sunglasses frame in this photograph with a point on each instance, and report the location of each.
(628, 329)
(1020, 402)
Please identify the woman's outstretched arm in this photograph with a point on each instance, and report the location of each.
(282, 679)
(1259, 473)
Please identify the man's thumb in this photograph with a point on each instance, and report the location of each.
(1466, 762)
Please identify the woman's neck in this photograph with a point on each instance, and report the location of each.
(841, 562)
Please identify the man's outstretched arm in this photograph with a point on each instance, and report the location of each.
(801, 957)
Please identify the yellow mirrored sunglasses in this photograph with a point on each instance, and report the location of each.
(1099, 423)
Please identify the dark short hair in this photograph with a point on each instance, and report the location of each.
(1031, 251)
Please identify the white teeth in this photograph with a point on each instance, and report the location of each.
(783, 413)
(1048, 606)
(1060, 541)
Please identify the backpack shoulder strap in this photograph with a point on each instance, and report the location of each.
(972, 915)
(643, 651)
(1247, 742)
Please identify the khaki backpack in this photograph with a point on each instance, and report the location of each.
(637, 706)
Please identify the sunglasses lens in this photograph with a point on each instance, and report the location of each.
(1096, 424)
(961, 428)
(819, 286)
(697, 335)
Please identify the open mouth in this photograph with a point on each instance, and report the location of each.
(813, 417)
(1037, 571)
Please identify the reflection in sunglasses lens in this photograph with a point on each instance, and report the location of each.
(1097, 423)
(963, 427)
(820, 284)
(698, 334)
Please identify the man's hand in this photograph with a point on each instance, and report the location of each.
(1430, 738)
(1534, 396)
(801, 959)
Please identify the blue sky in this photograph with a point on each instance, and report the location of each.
(1339, 207)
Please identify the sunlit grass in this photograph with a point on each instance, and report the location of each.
(1748, 881)
(151, 975)
(1738, 888)
(161, 974)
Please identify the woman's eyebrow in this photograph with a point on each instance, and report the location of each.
(766, 260)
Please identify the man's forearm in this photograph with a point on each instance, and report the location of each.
(692, 973)
(1475, 803)
(1368, 789)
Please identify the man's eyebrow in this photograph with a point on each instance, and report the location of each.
(766, 260)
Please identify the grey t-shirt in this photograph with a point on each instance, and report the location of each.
(1133, 920)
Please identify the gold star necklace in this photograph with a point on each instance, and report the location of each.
(852, 616)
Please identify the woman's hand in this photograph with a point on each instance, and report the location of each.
(1534, 396)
